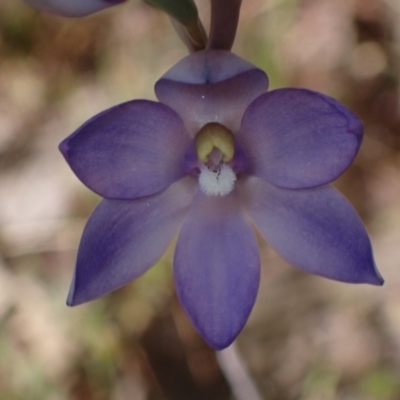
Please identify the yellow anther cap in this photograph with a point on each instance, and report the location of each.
(214, 135)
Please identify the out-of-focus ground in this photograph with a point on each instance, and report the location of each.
(308, 338)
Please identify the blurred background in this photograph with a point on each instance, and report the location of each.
(308, 338)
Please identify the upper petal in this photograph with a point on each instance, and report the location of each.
(316, 230)
(211, 86)
(217, 268)
(297, 138)
(132, 150)
(123, 238)
(73, 8)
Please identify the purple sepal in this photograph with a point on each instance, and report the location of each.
(296, 138)
(217, 268)
(132, 150)
(73, 8)
(316, 230)
(124, 238)
(219, 89)
(209, 66)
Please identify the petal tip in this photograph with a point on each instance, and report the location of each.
(71, 299)
(355, 125)
(77, 298)
(368, 274)
(371, 275)
(216, 335)
(70, 303)
(376, 279)
(217, 344)
(64, 147)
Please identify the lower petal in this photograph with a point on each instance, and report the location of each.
(316, 230)
(124, 238)
(217, 268)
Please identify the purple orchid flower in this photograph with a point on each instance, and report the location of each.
(217, 154)
(73, 8)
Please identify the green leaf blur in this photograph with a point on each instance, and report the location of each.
(184, 11)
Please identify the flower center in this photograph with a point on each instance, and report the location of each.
(215, 147)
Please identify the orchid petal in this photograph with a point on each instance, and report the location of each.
(296, 138)
(217, 268)
(135, 149)
(124, 238)
(316, 230)
(211, 86)
(73, 8)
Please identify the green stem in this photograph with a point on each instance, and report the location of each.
(192, 35)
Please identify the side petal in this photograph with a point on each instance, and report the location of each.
(73, 8)
(122, 239)
(135, 149)
(217, 268)
(211, 86)
(316, 230)
(296, 138)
